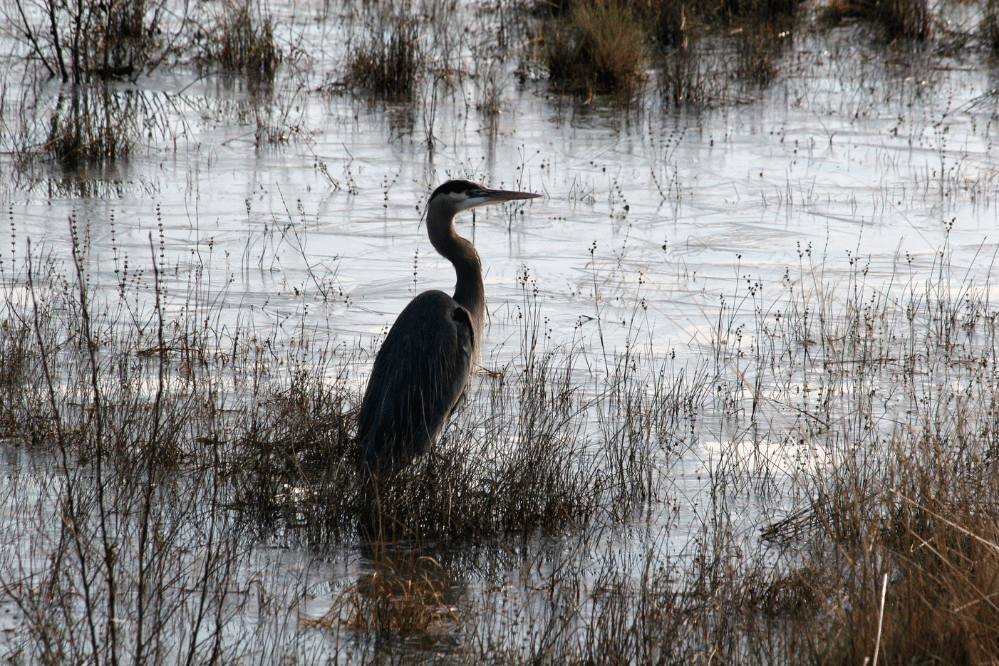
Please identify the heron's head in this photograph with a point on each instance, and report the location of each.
(459, 195)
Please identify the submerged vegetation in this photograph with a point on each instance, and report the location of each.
(862, 417)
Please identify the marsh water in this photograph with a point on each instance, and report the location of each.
(295, 209)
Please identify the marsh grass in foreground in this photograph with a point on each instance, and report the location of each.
(864, 420)
(170, 447)
(158, 455)
(519, 457)
(905, 506)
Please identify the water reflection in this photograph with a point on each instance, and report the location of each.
(406, 593)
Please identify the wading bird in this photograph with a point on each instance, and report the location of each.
(425, 362)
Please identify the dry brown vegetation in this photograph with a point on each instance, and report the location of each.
(171, 449)
(389, 64)
(605, 45)
(898, 19)
(242, 40)
(406, 594)
(599, 47)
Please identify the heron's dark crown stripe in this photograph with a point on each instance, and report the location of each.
(454, 186)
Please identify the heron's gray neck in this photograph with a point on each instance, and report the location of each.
(469, 290)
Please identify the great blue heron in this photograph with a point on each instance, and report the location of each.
(422, 368)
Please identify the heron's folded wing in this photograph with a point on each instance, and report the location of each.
(418, 376)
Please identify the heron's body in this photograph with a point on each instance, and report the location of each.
(423, 367)
(401, 423)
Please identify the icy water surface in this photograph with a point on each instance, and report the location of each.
(299, 212)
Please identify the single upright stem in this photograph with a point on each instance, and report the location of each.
(54, 28)
(150, 453)
(881, 617)
(109, 552)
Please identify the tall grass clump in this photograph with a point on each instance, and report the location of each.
(610, 43)
(904, 506)
(242, 40)
(297, 462)
(90, 124)
(82, 128)
(598, 47)
(680, 81)
(759, 46)
(897, 19)
(683, 76)
(123, 539)
(79, 41)
(88, 46)
(605, 45)
(517, 460)
(390, 63)
(763, 29)
(524, 473)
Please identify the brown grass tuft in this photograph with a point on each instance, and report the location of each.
(91, 124)
(898, 19)
(598, 49)
(388, 65)
(758, 50)
(610, 44)
(242, 41)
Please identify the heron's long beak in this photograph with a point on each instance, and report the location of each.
(499, 196)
